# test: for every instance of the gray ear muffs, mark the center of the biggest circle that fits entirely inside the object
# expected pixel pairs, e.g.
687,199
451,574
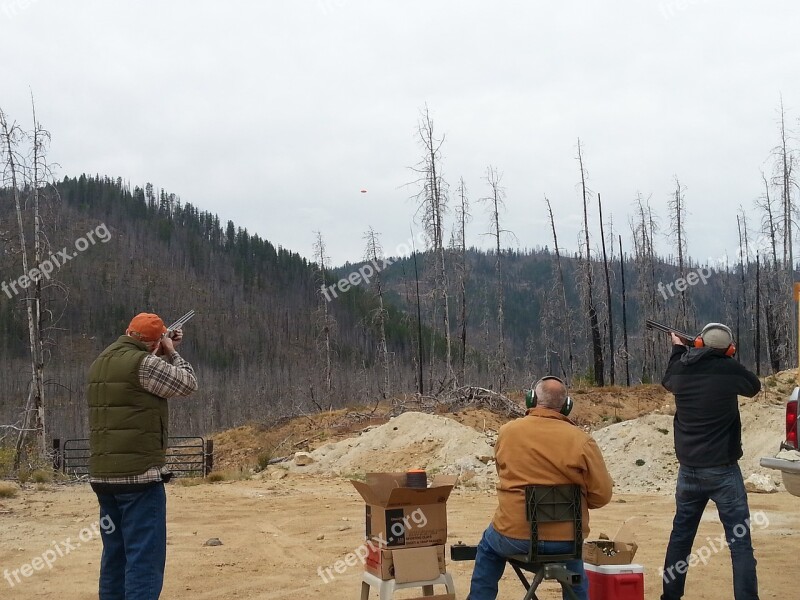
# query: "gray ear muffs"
531,400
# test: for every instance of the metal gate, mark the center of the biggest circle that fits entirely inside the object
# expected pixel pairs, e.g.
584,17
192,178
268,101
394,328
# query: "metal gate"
186,456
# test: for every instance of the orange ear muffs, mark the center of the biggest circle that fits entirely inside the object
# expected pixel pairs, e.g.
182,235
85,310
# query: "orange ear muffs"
698,341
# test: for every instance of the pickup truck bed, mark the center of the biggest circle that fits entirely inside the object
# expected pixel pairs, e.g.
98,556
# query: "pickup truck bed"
790,470
788,459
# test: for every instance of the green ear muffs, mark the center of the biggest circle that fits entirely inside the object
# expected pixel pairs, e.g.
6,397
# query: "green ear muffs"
531,401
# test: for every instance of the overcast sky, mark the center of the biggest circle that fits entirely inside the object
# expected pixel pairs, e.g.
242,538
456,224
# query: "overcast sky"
277,114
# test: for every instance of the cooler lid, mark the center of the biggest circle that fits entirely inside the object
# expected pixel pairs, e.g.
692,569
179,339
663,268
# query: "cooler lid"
614,569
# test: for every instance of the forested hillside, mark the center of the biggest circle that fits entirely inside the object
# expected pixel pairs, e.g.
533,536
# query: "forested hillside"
538,328
267,343
255,340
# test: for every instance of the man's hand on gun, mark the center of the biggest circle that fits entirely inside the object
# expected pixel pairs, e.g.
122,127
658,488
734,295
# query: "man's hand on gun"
173,337
168,342
678,341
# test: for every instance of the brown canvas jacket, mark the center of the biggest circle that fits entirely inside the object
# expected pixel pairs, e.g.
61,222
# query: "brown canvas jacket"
546,448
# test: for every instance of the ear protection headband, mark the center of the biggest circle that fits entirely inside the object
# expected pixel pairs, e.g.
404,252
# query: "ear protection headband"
531,401
698,341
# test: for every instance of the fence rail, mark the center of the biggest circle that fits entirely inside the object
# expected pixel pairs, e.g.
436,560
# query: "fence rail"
188,456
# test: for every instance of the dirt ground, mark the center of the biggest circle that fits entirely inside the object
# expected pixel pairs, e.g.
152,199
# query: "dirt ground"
277,533
281,528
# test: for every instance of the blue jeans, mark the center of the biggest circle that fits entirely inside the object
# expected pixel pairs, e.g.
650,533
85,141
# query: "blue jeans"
696,486
490,563
135,549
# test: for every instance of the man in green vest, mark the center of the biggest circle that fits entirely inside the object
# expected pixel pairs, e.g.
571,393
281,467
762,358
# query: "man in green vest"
129,385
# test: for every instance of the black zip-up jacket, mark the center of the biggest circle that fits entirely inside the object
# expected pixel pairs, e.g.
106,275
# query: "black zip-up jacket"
706,383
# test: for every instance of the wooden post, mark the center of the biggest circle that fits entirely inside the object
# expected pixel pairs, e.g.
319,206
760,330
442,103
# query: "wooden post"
56,454
209,457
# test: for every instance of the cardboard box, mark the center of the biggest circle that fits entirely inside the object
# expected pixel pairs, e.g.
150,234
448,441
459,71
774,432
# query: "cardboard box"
406,564
618,550
401,517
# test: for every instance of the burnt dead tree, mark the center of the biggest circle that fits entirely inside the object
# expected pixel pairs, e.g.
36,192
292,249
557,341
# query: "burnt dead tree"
624,315
678,217
462,217
610,314
562,294
432,200
24,180
325,324
372,254
495,204
591,312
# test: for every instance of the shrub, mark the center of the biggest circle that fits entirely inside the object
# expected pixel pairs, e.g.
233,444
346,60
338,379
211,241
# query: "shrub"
263,461
189,481
42,476
8,490
6,462
231,475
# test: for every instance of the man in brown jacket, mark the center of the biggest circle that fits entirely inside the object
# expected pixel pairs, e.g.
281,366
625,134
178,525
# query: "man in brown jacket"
542,448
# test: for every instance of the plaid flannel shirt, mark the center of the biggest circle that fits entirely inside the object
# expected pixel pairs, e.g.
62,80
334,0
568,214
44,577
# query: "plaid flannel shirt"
165,379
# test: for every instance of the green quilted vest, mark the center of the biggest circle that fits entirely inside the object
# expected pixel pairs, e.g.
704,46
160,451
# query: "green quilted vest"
128,425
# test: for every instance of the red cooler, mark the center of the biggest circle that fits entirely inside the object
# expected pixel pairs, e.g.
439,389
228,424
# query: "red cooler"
615,582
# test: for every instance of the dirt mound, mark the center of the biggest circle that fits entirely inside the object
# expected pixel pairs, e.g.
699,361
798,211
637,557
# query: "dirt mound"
633,427
246,446
412,440
640,453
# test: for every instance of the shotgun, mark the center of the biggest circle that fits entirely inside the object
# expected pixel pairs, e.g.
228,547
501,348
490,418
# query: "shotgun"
650,324
179,323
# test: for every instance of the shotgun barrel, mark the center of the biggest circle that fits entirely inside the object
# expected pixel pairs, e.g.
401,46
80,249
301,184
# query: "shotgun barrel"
180,323
650,324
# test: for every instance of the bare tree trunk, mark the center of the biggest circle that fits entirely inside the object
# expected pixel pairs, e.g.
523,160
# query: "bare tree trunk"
495,201
463,217
608,295
416,353
644,230
773,307
13,165
787,158
766,204
624,315
758,315
597,343
326,322
373,253
433,204
39,171
743,304
563,294
678,218
419,326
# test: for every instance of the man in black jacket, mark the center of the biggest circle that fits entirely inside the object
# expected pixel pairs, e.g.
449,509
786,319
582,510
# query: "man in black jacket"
706,381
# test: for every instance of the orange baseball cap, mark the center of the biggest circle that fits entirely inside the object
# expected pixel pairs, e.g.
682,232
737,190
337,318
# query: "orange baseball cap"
149,327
